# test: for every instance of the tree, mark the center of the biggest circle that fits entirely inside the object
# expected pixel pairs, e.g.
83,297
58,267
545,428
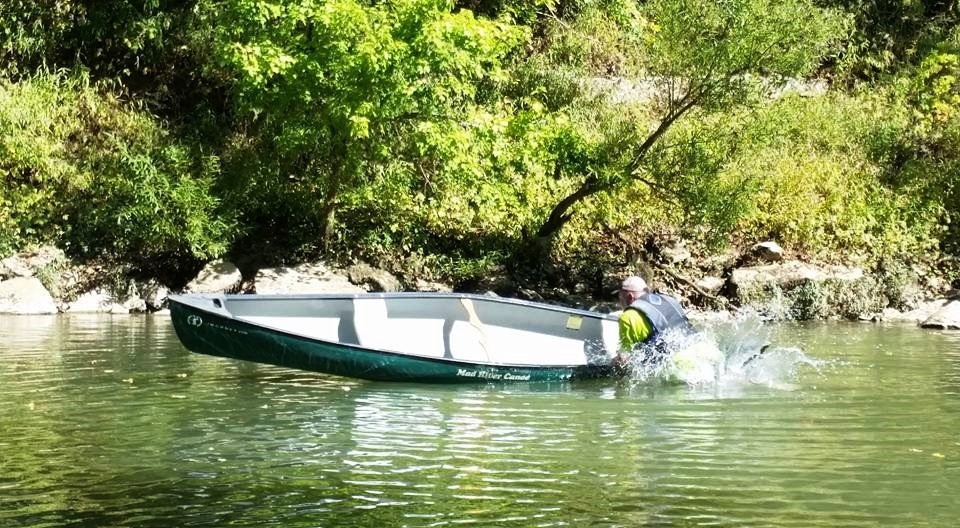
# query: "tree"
337,86
887,35
703,55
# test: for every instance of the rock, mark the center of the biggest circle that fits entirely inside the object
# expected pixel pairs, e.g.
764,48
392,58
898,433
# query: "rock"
27,263
305,278
915,316
796,290
25,295
496,281
218,276
789,273
135,305
529,295
155,295
426,286
11,267
710,317
907,296
711,285
675,253
946,318
94,301
889,314
766,252
376,280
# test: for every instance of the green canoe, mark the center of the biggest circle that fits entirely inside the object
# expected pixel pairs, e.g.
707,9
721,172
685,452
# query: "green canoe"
413,337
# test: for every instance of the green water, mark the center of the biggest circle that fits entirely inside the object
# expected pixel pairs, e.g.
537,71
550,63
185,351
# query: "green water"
109,422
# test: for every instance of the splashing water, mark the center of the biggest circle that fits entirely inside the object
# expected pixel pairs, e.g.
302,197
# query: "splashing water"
723,355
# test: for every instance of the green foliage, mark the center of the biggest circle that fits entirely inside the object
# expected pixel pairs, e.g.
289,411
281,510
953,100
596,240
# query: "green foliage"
719,53
846,299
708,56
110,38
889,35
50,276
808,301
152,203
337,88
935,89
445,140
597,39
895,281
691,171
921,139
29,31
821,188
36,162
105,181
472,188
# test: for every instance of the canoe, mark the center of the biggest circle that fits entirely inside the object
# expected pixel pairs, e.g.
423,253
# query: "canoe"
410,337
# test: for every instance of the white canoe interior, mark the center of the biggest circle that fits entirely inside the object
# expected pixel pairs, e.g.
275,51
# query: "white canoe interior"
467,328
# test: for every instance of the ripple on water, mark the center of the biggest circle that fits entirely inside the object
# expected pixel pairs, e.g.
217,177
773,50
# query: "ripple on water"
109,422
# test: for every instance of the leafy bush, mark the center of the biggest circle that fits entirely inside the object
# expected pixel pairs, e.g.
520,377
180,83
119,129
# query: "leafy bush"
102,179
822,189
37,164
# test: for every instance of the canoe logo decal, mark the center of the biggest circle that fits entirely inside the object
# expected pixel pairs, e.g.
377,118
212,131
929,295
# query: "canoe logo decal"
194,320
485,374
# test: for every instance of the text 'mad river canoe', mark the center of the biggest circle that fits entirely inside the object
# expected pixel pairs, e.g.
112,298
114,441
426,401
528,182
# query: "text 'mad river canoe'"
415,337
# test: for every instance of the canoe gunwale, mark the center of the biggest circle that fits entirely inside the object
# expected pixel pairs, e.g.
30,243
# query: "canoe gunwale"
186,298
379,351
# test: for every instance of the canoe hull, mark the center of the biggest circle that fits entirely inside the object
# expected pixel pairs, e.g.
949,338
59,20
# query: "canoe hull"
213,334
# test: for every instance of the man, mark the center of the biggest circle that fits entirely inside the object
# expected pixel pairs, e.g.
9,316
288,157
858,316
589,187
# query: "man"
646,316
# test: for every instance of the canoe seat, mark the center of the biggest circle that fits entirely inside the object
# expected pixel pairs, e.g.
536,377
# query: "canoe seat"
419,336
456,330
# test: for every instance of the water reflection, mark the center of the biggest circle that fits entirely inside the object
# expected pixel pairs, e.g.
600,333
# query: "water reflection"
109,422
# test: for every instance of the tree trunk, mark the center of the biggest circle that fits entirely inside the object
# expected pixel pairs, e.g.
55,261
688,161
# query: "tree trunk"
328,218
328,207
561,214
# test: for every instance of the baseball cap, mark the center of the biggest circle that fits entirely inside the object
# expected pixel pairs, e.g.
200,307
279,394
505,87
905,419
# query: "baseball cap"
634,284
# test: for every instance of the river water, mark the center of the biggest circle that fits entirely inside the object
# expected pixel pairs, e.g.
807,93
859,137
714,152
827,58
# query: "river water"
109,422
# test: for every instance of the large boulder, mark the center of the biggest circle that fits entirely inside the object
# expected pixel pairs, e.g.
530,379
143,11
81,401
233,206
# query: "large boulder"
946,318
675,253
796,290
917,315
93,301
428,286
374,279
154,295
305,278
789,273
28,263
61,277
14,266
25,295
219,276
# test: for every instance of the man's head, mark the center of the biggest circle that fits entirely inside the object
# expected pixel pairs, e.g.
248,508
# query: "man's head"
631,288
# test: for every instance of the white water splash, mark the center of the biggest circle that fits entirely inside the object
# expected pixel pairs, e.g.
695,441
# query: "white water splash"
725,355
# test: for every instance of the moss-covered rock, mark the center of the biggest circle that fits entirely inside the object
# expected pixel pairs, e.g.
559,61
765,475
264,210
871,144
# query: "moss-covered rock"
800,291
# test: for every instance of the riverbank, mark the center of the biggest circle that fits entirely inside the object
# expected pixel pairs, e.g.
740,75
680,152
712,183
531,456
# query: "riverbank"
762,283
